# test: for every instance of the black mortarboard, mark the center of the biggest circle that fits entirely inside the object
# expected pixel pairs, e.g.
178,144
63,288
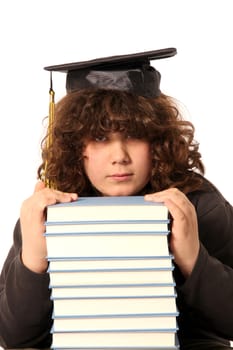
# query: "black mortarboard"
131,72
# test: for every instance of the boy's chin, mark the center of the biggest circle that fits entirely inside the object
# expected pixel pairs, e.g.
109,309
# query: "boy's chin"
120,193
122,190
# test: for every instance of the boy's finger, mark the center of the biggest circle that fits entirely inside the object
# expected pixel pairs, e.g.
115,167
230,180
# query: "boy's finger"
40,185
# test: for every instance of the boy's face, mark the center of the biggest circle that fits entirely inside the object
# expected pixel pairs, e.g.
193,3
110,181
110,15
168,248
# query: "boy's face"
117,166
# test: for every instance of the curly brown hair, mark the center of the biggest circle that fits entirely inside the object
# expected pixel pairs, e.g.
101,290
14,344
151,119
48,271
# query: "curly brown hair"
88,114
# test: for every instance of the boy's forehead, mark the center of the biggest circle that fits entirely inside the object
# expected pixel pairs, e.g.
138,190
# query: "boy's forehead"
131,72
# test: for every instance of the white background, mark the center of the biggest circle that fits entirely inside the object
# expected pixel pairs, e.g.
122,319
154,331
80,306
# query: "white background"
39,33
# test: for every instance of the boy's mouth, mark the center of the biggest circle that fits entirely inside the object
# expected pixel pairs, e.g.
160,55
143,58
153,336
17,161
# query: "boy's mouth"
121,176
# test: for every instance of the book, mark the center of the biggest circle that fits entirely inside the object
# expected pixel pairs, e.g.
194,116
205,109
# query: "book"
175,347
122,244
92,323
113,291
122,208
111,277
111,263
56,227
114,306
119,339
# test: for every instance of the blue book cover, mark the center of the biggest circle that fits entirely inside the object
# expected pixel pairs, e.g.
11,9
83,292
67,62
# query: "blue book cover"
107,208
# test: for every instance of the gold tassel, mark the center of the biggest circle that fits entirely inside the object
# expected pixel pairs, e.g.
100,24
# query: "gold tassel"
50,126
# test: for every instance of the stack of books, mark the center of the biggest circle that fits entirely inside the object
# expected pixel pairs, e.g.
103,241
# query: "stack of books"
111,274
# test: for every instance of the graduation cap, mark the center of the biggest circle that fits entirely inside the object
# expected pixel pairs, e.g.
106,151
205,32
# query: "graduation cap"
131,72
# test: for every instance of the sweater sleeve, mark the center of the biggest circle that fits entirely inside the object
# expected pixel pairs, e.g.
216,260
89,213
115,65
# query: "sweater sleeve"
25,305
208,293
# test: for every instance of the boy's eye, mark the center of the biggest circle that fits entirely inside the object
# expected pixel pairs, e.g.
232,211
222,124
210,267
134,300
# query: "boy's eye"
100,138
131,137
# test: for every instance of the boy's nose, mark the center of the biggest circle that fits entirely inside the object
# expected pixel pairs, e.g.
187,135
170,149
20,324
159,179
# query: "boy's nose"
120,153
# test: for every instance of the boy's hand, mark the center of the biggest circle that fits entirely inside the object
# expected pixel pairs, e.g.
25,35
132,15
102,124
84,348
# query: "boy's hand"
32,218
184,242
